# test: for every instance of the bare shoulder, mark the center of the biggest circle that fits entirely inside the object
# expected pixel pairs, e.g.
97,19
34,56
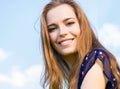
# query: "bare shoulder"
95,78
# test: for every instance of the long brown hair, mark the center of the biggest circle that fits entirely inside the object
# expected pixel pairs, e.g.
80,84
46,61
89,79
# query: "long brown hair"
56,70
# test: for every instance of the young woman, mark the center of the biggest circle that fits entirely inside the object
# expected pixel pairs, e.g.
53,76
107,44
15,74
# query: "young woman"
73,56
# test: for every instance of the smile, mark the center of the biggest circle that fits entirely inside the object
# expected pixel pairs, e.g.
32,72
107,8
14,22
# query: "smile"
66,42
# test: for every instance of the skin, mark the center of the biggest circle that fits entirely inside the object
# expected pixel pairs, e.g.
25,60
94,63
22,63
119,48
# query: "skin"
64,30
95,78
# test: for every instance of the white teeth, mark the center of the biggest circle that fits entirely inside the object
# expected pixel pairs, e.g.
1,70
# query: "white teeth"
65,43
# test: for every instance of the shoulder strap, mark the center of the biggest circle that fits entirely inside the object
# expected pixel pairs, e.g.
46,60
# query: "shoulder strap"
89,61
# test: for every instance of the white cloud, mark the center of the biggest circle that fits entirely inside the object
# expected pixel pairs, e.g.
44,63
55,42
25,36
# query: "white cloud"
4,54
4,78
33,73
109,36
19,78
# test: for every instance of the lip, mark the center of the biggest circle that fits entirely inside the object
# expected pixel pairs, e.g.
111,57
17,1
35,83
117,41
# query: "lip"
63,40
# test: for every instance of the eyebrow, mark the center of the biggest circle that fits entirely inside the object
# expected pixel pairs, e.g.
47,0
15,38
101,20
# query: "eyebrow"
66,19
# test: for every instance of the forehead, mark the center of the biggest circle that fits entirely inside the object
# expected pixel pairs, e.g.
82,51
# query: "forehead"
60,13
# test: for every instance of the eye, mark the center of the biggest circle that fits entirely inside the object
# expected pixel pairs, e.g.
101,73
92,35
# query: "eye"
52,28
70,23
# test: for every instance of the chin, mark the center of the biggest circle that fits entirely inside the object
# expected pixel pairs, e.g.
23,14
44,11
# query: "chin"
67,52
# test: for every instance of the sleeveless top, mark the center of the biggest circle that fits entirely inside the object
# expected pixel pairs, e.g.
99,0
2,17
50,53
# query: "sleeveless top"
89,61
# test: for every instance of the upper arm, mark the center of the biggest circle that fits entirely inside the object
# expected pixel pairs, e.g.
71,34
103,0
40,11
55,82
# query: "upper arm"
95,78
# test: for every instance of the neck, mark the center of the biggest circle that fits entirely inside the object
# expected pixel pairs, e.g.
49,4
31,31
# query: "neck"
70,59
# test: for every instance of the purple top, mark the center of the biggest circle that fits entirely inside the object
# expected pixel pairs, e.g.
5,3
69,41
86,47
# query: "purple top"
89,61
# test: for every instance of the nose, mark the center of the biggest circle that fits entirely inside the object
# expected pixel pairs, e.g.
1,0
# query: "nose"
63,31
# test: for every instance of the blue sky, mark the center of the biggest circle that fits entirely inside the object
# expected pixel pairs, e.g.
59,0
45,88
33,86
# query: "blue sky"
20,52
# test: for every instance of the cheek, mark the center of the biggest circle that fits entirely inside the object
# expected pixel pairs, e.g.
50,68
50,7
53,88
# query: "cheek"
77,30
52,37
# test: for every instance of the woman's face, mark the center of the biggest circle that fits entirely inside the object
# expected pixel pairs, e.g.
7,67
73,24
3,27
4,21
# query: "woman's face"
63,29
